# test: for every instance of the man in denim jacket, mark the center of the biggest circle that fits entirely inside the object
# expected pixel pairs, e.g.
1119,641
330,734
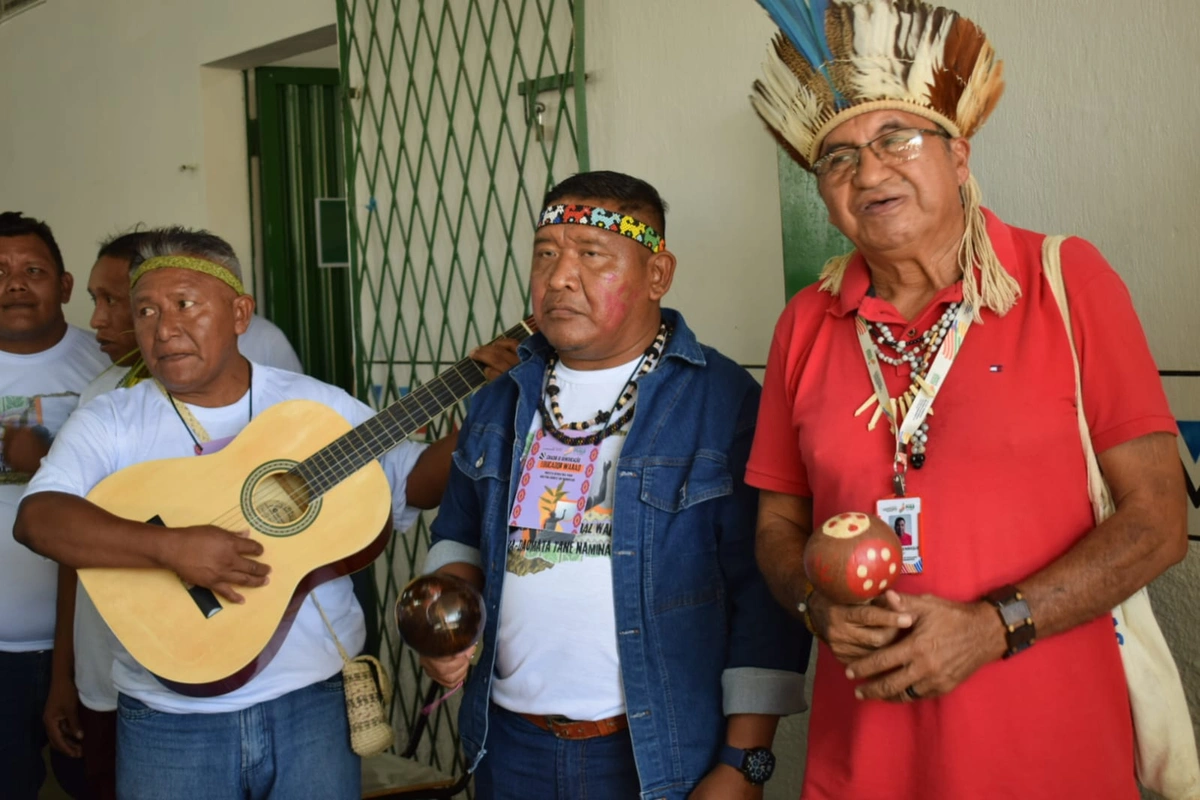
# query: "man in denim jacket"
632,648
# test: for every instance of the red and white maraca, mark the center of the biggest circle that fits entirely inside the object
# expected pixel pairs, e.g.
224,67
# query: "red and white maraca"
853,558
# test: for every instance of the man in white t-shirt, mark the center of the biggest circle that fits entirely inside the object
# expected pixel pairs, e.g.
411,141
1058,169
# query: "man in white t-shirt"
284,733
80,714
597,499
44,365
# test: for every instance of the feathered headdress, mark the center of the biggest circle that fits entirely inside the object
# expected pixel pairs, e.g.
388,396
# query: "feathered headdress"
836,59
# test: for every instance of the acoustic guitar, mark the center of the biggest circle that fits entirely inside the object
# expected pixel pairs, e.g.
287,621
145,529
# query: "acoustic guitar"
319,505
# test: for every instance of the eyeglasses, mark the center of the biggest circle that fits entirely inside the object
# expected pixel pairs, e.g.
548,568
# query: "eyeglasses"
892,147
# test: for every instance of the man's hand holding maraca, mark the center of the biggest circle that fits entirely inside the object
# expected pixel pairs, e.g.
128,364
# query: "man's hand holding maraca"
449,671
850,560
854,631
441,616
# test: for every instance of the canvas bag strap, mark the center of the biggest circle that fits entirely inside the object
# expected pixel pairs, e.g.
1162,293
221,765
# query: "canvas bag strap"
385,685
1098,491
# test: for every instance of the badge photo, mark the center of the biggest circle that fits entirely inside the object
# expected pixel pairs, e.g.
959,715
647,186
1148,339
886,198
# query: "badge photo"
903,514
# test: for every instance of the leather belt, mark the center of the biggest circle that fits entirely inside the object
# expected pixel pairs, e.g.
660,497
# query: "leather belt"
565,728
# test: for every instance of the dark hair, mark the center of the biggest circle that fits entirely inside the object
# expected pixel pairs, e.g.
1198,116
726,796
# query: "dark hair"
123,246
14,223
633,196
176,240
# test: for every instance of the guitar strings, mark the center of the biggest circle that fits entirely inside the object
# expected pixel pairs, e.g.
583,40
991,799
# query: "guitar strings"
325,460
329,461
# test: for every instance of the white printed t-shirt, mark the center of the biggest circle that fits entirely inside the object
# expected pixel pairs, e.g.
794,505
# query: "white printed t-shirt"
39,389
133,425
557,641
94,642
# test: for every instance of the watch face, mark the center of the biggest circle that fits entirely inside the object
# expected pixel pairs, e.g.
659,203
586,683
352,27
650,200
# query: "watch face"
758,765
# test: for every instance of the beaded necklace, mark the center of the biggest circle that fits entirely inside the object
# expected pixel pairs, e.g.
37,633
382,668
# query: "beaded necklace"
552,418
918,353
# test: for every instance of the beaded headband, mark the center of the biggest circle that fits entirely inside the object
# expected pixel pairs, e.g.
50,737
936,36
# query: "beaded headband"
217,271
596,217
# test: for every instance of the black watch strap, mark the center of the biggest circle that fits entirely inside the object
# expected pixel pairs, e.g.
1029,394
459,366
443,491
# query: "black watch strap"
757,764
1019,630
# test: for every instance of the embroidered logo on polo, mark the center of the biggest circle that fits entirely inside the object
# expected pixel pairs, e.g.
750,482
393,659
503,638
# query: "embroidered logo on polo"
596,217
563,508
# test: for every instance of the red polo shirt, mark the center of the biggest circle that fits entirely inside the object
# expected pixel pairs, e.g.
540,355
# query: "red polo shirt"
1004,493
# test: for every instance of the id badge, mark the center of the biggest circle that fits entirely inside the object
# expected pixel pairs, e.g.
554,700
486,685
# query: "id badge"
555,479
903,514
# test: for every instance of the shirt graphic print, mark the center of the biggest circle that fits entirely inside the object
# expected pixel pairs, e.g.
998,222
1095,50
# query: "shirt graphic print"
45,413
569,491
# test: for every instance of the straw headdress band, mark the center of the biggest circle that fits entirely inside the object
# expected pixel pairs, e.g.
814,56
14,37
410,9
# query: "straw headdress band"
218,271
834,60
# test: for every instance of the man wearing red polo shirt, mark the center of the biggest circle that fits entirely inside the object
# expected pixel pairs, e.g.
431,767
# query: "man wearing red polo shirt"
939,690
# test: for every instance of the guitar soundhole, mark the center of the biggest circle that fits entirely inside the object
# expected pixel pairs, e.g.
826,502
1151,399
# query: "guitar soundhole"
280,499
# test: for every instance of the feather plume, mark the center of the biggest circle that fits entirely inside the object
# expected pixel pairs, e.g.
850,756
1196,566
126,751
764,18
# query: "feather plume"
784,103
982,91
928,41
963,43
839,32
803,71
802,22
878,74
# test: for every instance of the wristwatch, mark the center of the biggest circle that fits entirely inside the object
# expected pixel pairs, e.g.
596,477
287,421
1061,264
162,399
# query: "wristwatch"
757,764
1019,631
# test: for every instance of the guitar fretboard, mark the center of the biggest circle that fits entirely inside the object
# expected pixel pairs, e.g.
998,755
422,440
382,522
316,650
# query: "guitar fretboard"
349,453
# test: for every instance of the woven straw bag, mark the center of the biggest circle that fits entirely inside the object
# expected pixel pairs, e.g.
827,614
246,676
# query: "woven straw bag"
368,691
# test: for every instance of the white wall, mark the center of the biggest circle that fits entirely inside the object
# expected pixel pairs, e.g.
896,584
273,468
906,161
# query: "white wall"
667,103
102,103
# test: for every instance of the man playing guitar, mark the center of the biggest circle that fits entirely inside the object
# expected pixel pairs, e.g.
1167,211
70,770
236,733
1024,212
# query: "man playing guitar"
284,732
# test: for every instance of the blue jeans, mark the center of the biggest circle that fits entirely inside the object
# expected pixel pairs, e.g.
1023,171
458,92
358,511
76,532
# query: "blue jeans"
296,746
525,762
24,684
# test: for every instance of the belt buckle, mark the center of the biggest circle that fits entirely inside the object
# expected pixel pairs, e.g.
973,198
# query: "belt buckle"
557,721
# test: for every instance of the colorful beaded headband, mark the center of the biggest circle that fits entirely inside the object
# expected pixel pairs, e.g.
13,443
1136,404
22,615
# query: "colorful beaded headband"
597,217
217,271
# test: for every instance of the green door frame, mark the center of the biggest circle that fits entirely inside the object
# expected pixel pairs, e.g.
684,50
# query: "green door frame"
328,357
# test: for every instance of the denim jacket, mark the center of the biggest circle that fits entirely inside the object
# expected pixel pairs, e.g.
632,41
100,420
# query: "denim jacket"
698,633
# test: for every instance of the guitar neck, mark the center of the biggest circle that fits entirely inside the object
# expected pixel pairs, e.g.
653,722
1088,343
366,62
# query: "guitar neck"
349,453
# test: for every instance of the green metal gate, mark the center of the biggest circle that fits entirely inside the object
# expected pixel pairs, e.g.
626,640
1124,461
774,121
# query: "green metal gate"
459,115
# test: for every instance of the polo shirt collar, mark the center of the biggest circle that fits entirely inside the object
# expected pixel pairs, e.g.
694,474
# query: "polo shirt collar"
857,297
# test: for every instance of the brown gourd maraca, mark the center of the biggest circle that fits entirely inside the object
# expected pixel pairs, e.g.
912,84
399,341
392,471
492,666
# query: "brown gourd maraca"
440,615
853,558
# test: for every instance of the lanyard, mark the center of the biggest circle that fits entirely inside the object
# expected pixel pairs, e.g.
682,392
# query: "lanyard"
927,387
194,428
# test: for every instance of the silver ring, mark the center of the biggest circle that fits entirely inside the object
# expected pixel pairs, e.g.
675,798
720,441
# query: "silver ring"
912,693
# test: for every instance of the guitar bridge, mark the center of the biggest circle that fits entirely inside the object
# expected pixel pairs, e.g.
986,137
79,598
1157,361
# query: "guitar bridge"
204,599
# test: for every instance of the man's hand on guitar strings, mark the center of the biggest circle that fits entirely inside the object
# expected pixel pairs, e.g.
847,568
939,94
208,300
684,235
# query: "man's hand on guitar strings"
216,559
496,357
